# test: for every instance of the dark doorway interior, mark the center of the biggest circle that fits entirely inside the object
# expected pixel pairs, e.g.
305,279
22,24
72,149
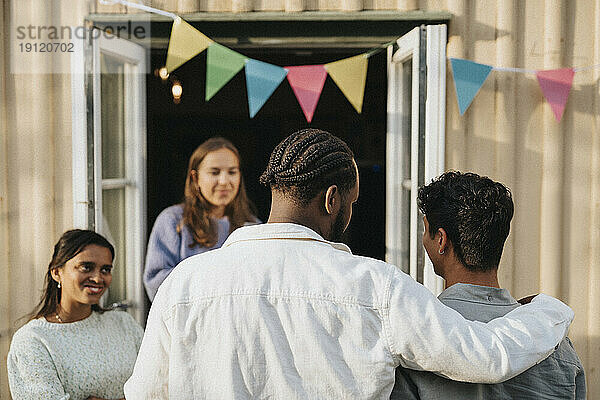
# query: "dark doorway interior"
175,130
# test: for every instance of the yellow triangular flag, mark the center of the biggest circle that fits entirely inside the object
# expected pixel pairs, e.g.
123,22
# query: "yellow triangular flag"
185,43
350,74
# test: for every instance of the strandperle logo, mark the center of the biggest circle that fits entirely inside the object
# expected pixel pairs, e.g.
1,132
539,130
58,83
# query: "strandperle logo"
126,30
44,48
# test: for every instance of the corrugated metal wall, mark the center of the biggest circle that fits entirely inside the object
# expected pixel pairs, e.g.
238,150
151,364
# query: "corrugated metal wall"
5,321
553,169
186,6
509,133
35,169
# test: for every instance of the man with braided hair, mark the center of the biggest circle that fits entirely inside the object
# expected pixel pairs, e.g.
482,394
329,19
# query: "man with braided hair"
283,311
300,168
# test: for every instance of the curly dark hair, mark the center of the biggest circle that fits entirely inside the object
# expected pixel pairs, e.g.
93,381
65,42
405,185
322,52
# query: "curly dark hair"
474,211
308,162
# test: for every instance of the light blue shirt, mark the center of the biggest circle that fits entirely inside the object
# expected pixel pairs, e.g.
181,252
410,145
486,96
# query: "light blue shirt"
279,312
560,376
167,247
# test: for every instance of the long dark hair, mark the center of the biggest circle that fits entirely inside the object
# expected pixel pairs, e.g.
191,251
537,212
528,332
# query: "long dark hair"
196,208
68,246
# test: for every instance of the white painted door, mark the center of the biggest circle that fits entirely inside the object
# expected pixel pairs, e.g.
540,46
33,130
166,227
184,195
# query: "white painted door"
113,149
415,144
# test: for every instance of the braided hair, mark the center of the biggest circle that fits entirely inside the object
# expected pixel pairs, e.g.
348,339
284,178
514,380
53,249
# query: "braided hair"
308,162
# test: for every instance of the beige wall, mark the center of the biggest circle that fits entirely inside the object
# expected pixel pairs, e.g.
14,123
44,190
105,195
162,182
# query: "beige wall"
5,331
508,133
35,170
186,6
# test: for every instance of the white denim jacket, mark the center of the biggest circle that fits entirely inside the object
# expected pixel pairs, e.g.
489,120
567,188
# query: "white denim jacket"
280,313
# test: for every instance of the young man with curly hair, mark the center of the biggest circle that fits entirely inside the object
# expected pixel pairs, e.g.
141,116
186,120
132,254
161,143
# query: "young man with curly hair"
467,220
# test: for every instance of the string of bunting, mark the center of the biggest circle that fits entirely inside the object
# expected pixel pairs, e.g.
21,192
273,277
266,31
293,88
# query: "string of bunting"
555,84
349,74
262,78
223,63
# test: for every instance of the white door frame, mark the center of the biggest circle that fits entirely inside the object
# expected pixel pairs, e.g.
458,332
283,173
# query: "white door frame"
87,151
426,47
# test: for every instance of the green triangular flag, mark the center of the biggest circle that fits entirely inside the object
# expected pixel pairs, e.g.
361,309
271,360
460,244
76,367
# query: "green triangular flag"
222,64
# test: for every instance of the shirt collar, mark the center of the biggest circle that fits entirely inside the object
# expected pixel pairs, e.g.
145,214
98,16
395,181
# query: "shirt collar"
270,231
486,294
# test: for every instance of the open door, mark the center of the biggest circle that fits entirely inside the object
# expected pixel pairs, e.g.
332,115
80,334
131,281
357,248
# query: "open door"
415,144
113,147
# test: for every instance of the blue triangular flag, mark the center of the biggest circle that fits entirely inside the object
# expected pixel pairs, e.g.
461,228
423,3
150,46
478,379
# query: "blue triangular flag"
469,76
261,81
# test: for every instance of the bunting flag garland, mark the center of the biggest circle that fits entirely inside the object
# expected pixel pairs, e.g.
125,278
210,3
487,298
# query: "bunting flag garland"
261,81
222,64
350,74
468,79
185,43
556,85
307,83
262,78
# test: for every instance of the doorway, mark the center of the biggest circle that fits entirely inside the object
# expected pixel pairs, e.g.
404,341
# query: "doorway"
175,130
398,139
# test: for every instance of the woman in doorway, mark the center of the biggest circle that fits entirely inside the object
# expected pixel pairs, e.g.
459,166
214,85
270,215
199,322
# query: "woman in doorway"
71,348
215,204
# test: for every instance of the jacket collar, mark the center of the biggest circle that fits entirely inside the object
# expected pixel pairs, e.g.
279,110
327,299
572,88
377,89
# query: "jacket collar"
274,231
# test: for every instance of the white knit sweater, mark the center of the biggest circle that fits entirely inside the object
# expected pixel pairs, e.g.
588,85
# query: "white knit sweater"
91,357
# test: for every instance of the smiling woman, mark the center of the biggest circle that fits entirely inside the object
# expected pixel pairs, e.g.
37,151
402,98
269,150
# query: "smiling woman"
218,178
83,280
71,348
215,204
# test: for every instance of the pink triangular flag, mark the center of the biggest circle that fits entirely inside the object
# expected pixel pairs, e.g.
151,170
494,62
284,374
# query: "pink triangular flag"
307,83
556,85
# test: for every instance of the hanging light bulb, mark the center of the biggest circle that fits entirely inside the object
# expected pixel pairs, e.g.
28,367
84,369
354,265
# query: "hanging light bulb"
163,73
177,91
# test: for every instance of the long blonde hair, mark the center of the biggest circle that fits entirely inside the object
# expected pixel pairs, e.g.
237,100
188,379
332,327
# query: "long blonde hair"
196,208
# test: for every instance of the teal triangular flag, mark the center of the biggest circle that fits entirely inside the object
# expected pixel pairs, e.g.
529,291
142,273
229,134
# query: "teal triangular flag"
261,81
469,76
221,65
